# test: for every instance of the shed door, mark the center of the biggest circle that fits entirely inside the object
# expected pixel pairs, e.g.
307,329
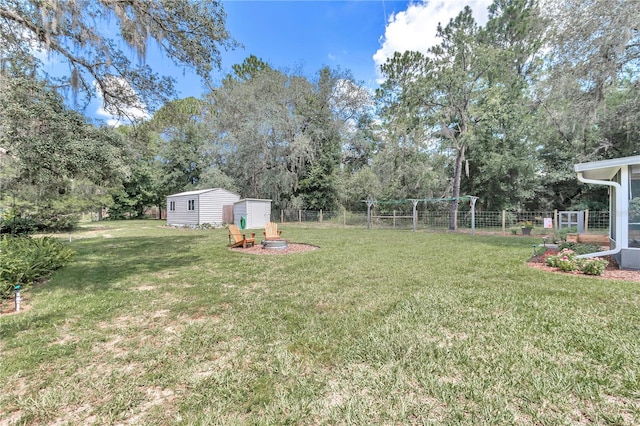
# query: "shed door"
227,213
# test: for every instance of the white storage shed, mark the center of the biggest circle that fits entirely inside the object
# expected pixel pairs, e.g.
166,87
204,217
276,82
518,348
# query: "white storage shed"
194,208
256,213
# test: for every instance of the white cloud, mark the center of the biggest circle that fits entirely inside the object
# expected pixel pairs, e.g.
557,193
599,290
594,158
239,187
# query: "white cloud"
415,28
137,111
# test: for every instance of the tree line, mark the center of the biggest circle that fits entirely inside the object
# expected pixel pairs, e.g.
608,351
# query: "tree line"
500,111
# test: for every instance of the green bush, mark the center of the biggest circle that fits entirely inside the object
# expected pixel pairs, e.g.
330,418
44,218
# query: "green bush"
18,226
580,248
593,266
59,222
567,261
26,260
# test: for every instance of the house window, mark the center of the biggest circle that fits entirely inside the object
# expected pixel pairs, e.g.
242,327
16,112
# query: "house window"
191,205
172,206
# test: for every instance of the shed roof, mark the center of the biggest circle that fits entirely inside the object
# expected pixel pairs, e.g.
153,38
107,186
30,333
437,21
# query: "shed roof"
201,191
253,199
604,169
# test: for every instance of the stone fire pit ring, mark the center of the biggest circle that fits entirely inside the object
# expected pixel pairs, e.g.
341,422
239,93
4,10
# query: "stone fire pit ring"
274,244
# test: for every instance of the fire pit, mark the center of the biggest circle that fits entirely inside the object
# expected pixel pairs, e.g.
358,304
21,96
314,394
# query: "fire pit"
274,244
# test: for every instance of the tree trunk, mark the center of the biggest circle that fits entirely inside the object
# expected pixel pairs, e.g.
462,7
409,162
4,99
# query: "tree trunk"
457,174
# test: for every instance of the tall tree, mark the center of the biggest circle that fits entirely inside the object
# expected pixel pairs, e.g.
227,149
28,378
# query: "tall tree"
182,145
50,144
77,33
593,45
439,92
503,158
259,133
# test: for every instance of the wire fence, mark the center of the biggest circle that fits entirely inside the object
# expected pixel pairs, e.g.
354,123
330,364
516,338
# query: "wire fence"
491,221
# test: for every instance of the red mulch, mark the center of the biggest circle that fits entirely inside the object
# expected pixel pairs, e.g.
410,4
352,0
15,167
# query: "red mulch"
291,248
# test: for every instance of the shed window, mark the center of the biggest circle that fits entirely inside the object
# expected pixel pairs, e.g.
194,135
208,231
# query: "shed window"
172,206
191,205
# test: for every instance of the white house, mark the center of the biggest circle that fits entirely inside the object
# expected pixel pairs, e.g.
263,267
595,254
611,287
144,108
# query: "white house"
252,213
194,208
622,176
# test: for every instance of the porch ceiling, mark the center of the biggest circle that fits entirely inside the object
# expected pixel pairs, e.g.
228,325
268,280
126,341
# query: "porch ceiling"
605,169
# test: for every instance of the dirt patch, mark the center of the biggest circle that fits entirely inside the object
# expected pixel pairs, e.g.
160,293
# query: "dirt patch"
291,248
612,271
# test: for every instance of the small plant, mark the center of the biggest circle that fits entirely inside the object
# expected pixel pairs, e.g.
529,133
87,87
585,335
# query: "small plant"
593,266
527,224
565,260
550,259
566,264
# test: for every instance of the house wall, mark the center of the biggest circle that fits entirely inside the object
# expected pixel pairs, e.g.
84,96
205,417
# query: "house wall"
629,258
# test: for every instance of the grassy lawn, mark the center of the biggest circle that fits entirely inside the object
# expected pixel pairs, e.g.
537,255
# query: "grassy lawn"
162,326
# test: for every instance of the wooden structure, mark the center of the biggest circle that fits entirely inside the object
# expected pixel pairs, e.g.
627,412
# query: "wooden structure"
271,231
237,239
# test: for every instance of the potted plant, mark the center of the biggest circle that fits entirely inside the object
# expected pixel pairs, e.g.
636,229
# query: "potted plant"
526,227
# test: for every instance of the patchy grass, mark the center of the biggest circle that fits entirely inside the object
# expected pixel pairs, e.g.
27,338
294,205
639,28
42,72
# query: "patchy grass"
159,326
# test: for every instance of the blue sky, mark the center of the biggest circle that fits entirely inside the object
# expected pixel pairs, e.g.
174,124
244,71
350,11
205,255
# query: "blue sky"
311,34
354,35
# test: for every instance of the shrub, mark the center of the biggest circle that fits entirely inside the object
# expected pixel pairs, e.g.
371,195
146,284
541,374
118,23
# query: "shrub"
593,266
551,259
565,260
580,248
26,260
59,222
566,264
19,226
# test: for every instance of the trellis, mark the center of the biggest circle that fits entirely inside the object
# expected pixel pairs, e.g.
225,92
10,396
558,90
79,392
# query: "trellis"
472,199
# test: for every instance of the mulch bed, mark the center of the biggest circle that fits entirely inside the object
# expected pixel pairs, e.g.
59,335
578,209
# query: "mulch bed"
291,248
611,272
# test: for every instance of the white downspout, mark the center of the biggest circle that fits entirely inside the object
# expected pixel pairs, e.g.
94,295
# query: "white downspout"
618,188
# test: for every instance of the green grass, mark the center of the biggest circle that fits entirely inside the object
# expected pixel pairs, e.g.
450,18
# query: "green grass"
152,325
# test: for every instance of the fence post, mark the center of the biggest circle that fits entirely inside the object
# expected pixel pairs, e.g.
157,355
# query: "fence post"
281,216
586,221
300,216
504,222
555,220
394,218
320,217
344,218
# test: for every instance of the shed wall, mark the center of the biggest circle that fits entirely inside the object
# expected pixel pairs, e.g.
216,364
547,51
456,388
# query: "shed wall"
259,213
211,205
181,215
256,212
208,207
